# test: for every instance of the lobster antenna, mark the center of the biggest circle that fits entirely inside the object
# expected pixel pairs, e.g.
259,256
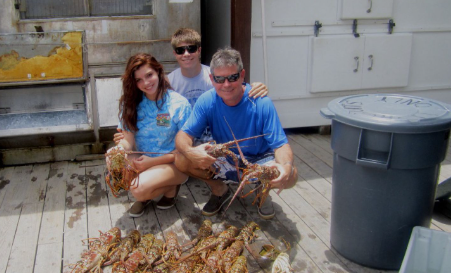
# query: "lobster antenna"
238,146
234,138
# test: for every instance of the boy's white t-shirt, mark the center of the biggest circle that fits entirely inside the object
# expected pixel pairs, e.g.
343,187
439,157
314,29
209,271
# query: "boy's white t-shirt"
191,88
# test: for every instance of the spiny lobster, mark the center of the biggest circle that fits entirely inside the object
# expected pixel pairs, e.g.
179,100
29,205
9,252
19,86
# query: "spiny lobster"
239,266
222,150
230,254
254,173
120,174
124,248
98,252
204,231
171,250
247,234
281,258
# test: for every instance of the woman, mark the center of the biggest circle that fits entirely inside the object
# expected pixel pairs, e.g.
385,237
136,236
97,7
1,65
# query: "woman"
151,115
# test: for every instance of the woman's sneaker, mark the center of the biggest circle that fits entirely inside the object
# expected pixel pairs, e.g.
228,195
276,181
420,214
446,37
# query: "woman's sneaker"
138,208
168,202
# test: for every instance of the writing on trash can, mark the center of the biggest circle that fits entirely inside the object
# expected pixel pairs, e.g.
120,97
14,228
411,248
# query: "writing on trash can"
416,103
378,107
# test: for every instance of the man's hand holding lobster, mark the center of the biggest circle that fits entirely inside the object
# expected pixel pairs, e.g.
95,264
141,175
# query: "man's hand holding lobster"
284,180
199,156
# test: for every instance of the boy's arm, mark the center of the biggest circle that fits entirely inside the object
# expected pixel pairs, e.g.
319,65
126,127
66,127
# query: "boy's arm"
258,90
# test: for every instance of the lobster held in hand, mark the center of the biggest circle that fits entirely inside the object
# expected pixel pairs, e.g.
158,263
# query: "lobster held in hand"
120,174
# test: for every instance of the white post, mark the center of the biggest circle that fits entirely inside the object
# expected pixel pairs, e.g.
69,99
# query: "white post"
265,59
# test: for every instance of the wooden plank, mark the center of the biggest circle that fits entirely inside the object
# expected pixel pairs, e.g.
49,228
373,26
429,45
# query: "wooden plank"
320,199
320,141
49,258
274,230
311,160
441,221
308,214
5,181
23,251
320,184
170,220
75,220
52,225
10,212
119,207
317,226
97,199
302,236
50,245
189,211
445,171
314,198
148,223
314,149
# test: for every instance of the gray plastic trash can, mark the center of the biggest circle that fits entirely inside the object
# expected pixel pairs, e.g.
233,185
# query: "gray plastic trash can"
387,154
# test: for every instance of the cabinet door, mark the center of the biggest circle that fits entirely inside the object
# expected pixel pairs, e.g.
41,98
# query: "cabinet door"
386,60
336,63
367,9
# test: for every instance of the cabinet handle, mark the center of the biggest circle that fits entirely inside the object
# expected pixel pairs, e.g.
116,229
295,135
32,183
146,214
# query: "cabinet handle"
356,58
371,6
371,62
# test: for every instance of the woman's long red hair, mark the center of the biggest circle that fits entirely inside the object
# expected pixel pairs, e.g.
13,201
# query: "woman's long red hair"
132,95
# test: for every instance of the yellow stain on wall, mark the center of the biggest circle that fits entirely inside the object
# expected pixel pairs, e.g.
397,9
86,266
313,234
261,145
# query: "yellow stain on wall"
62,63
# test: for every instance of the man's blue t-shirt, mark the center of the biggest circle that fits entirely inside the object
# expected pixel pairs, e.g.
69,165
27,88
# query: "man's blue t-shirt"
250,117
157,128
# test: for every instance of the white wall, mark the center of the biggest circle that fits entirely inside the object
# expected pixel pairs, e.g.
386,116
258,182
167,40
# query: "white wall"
290,32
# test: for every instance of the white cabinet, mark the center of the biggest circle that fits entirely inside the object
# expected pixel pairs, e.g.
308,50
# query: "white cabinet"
342,63
366,9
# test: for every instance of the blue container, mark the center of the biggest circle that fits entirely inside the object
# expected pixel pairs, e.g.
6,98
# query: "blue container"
387,154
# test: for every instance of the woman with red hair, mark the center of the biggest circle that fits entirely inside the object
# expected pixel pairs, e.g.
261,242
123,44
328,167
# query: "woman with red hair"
150,115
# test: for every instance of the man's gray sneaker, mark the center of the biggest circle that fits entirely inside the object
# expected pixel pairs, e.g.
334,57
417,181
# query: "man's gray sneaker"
266,211
215,203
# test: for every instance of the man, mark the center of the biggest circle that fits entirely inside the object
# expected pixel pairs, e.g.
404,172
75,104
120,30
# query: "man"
229,103
191,80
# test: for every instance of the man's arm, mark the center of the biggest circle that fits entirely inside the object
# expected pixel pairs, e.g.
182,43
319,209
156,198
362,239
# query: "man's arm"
284,162
197,155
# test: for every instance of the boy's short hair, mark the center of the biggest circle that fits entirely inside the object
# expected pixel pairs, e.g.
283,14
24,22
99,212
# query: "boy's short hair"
185,35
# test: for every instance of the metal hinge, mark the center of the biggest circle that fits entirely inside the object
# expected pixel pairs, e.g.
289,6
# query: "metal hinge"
79,105
5,110
20,5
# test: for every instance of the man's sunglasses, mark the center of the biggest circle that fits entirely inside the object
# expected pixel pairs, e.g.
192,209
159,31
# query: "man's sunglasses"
230,78
181,49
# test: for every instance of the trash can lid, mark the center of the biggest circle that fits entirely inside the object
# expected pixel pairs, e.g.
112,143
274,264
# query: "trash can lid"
390,113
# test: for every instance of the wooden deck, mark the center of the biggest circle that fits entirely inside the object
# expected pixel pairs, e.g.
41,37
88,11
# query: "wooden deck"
48,209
